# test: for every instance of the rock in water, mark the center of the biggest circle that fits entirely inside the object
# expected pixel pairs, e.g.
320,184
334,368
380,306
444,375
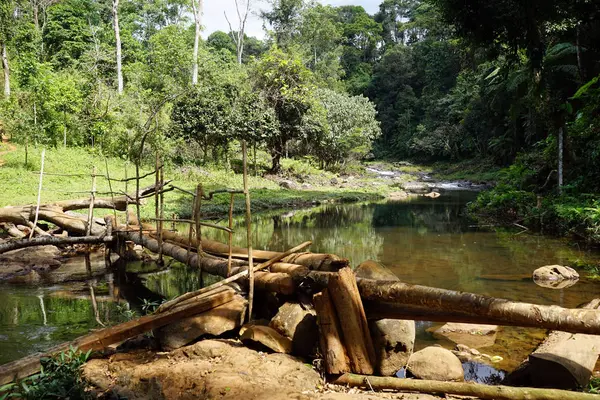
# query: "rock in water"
437,364
268,337
297,324
471,335
212,322
393,339
555,276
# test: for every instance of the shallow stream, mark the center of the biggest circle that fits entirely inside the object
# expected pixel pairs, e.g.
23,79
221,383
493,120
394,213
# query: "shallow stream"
423,241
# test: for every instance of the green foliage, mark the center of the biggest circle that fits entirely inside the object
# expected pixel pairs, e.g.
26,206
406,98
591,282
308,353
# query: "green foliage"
60,378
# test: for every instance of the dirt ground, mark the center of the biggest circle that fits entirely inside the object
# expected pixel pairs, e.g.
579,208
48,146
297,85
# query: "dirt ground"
218,369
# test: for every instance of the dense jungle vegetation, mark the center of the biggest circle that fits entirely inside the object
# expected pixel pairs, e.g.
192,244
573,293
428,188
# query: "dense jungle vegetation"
504,82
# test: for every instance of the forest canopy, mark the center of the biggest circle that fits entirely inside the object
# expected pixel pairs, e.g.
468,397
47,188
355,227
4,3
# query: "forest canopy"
419,79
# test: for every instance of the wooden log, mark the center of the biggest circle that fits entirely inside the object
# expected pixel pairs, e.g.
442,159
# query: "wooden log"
291,269
508,312
330,341
12,230
316,261
562,361
55,241
105,337
230,279
350,311
274,282
485,392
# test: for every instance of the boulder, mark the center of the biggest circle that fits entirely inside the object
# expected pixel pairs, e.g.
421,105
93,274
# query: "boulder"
437,364
213,322
393,339
287,184
299,325
555,276
471,335
268,337
416,187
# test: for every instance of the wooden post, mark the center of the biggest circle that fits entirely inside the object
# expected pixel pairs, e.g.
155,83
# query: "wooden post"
156,205
90,219
126,200
112,194
161,198
230,234
350,311
191,230
39,198
137,194
336,359
248,232
198,227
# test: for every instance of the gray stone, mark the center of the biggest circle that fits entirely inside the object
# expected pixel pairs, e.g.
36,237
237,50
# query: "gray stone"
268,337
471,335
287,184
437,364
555,276
416,187
213,322
297,324
393,339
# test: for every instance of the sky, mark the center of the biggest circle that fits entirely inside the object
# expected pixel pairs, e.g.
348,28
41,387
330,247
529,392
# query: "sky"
214,19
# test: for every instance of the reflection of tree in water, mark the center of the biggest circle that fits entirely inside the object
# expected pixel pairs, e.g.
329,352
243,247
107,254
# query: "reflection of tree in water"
482,373
442,215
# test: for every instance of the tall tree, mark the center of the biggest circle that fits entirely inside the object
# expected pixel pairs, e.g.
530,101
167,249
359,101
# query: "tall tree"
197,8
242,8
115,14
6,24
284,18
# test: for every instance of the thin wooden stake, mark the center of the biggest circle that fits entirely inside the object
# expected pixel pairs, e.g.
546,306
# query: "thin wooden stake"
90,219
39,198
137,195
230,234
248,233
126,200
198,227
191,231
112,194
156,180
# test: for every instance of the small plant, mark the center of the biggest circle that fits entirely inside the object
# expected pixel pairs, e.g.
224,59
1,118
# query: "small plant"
594,385
60,378
149,306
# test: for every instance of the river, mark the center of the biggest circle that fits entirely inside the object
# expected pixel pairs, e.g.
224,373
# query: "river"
423,241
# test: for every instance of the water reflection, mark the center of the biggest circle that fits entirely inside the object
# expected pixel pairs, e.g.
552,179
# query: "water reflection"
424,241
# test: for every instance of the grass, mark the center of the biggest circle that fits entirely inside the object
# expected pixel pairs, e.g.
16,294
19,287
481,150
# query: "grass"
19,183
471,170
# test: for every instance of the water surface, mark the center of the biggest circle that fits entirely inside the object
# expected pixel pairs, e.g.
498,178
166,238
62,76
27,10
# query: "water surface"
423,241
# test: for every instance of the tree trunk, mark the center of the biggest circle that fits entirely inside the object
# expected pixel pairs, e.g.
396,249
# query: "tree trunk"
355,329
332,349
469,389
115,12
197,7
560,157
65,130
490,308
562,361
315,261
6,70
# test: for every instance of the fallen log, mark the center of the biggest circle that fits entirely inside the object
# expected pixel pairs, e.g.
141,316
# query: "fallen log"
330,341
105,337
485,392
290,269
230,279
562,361
396,300
349,309
55,213
315,261
55,241
505,312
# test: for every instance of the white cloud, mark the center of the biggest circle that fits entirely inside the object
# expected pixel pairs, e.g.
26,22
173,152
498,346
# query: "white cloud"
214,19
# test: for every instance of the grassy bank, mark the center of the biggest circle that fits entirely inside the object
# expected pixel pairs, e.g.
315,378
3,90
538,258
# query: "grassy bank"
19,182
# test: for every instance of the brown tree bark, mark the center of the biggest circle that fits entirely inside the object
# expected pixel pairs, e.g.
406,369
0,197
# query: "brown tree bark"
330,341
355,330
491,308
562,361
485,392
316,261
